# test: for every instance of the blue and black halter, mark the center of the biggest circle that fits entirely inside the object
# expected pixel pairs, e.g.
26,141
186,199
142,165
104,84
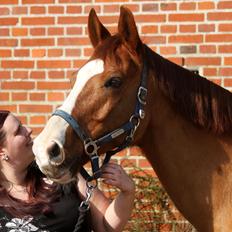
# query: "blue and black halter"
91,146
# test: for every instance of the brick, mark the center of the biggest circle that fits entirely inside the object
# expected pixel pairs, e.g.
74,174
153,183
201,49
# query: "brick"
72,20
19,10
186,39
75,1
37,42
74,9
203,61
73,41
168,29
168,6
37,75
13,85
5,74
4,96
227,82
224,5
186,17
188,49
17,64
206,5
62,85
187,28
187,6
20,74
5,53
150,7
38,10
225,27
228,60
10,2
210,72
218,38
147,18
219,16
8,21
167,50
73,52
38,53
8,42
4,11
37,31
12,107
155,39
208,49
55,52
38,21
206,27
55,31
4,32
55,96
37,120
19,96
225,48
21,52
19,31
35,108
225,72
37,96
56,10
54,64
56,74
38,1
74,31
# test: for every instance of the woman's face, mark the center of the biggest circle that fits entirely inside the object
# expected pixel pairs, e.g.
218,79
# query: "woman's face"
18,144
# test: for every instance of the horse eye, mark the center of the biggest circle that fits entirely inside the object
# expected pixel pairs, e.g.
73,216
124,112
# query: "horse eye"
114,82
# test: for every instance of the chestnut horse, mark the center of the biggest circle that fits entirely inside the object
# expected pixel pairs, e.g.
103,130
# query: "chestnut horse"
185,134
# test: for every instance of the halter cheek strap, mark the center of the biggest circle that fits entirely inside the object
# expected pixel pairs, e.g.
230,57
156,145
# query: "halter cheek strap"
129,128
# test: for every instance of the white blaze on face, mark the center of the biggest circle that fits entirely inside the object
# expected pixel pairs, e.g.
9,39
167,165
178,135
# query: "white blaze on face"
56,126
88,71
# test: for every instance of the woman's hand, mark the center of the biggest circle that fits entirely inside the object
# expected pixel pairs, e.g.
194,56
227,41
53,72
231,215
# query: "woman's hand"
113,174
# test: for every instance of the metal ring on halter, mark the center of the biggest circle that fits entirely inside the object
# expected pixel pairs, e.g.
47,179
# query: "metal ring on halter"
135,120
90,147
91,183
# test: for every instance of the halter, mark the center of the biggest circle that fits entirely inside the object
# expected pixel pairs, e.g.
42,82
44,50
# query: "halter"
91,146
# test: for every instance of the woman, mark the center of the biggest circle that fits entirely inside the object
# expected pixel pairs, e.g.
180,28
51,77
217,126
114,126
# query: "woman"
30,202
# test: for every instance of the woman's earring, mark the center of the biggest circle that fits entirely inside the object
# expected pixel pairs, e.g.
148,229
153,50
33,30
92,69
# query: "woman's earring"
5,157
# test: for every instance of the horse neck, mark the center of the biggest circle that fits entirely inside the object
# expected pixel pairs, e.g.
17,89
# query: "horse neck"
170,136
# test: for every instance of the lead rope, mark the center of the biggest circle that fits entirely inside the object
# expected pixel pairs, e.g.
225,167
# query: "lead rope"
84,206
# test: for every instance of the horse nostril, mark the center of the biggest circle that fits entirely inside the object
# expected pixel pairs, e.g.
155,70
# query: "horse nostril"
53,150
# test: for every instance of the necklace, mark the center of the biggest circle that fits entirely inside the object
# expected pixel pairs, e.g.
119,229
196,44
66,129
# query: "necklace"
19,189
11,187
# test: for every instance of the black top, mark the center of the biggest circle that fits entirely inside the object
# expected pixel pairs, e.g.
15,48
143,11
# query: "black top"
63,219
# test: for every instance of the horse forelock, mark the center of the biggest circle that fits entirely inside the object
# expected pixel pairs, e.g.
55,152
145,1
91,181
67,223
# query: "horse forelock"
203,102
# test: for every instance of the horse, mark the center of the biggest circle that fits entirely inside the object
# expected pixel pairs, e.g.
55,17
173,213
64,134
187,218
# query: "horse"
181,121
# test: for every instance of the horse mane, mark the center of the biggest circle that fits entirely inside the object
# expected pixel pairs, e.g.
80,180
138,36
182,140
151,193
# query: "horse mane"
204,103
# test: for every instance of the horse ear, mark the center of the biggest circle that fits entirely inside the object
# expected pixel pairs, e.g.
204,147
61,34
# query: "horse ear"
97,32
127,29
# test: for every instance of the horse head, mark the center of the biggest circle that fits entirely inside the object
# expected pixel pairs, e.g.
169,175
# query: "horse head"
103,99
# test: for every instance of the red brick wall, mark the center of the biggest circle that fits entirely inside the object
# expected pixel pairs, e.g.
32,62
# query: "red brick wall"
42,42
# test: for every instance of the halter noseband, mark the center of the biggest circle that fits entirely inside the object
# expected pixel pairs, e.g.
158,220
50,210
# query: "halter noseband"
91,146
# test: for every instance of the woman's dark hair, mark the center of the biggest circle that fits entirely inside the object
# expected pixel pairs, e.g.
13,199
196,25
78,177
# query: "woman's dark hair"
41,193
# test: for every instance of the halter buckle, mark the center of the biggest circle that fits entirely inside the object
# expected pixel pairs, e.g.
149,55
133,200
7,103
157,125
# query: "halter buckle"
142,94
90,147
